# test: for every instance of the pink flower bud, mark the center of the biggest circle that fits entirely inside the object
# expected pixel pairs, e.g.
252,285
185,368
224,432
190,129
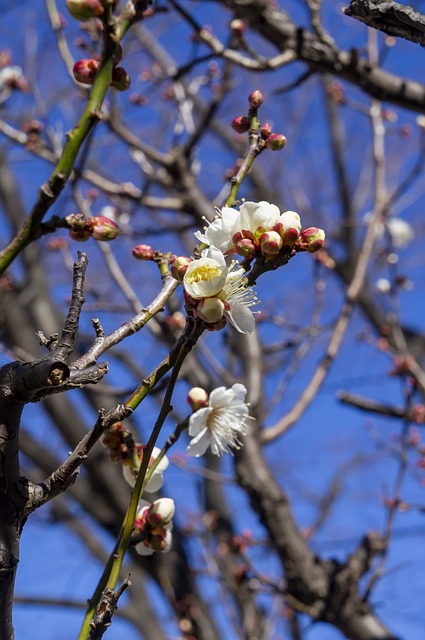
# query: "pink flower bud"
179,267
271,243
197,398
210,309
266,130
103,229
240,124
275,142
161,512
313,238
120,79
238,27
85,70
255,99
84,9
143,252
245,247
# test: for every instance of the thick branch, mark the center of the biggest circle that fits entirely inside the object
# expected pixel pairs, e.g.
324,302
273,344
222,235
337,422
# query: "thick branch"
392,18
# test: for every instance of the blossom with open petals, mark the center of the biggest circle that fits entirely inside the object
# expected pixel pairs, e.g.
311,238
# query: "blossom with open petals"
230,230
154,523
218,290
221,423
156,480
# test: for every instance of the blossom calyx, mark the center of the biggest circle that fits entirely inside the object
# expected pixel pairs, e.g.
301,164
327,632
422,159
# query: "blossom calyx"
143,252
240,124
255,99
84,9
103,229
313,239
197,398
85,70
275,141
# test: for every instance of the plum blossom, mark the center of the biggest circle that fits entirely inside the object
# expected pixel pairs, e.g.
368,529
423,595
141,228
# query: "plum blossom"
401,232
221,423
218,290
232,228
154,523
156,480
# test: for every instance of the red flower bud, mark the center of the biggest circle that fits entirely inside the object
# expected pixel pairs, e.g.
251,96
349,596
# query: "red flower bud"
240,124
266,130
313,238
84,9
143,252
275,142
255,99
103,229
85,70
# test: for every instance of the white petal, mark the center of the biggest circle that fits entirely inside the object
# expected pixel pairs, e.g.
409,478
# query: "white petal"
240,391
241,318
128,475
198,420
143,550
155,482
258,214
199,444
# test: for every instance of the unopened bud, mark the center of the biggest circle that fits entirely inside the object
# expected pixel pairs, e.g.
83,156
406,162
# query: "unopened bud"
85,70
103,229
210,309
120,79
240,124
179,267
245,247
313,238
266,130
238,27
161,512
197,398
271,243
275,142
84,9
143,252
255,99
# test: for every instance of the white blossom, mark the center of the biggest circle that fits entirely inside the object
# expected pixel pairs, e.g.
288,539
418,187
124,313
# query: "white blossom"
156,480
220,424
252,220
220,290
154,521
401,232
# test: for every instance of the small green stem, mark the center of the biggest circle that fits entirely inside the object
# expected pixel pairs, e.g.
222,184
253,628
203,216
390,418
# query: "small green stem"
112,569
50,191
256,146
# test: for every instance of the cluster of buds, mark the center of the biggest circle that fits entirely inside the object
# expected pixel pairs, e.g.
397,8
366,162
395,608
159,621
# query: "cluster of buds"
153,525
121,446
242,124
85,72
98,227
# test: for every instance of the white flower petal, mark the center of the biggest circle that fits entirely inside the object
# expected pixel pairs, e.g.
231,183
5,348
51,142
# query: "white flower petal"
199,444
143,550
258,214
198,420
241,318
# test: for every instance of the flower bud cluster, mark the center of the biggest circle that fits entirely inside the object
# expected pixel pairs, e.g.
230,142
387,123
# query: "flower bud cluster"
100,228
120,444
154,525
260,230
242,124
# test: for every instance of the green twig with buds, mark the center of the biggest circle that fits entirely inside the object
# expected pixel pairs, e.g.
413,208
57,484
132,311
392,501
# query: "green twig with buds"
50,191
174,361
